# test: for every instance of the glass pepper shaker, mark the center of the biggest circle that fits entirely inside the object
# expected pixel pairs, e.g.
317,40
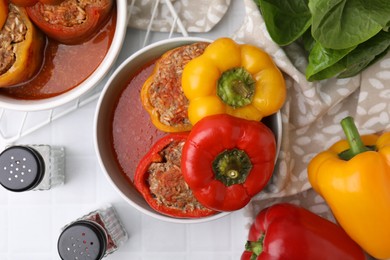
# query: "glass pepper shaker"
92,236
32,167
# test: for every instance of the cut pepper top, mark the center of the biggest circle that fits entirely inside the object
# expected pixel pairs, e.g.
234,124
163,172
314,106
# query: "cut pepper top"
236,79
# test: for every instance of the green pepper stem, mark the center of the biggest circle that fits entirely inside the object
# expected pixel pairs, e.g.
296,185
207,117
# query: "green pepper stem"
236,87
232,166
353,137
256,247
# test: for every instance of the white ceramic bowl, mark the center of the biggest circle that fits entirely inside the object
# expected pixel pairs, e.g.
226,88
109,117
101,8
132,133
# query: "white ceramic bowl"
91,82
103,122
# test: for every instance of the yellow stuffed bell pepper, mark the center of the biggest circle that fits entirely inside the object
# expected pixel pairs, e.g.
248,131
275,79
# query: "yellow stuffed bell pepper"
23,48
236,79
353,176
3,12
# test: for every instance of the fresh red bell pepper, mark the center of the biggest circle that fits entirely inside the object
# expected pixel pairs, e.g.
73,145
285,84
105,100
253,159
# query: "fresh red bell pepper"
227,160
159,179
66,23
285,231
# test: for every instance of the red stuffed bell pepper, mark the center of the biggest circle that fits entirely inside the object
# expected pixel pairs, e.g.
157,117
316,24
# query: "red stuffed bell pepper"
160,181
285,231
227,160
72,21
25,3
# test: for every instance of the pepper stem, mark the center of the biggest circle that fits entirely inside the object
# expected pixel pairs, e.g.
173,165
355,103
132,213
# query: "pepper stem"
354,140
236,87
232,174
256,247
232,167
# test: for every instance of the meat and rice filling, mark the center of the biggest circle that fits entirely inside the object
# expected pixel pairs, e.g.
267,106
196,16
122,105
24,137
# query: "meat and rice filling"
167,183
69,12
13,32
165,93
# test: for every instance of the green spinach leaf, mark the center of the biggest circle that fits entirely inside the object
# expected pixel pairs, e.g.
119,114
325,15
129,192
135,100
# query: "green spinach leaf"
308,41
324,63
342,24
379,11
342,37
352,63
286,20
366,54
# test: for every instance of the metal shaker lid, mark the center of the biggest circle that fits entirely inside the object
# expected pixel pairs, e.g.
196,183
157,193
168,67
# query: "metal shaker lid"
21,168
82,240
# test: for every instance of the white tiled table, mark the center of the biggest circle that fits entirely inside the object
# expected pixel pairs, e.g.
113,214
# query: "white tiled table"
30,222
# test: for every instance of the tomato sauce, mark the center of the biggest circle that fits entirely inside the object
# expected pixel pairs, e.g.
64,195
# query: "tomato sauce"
66,66
133,133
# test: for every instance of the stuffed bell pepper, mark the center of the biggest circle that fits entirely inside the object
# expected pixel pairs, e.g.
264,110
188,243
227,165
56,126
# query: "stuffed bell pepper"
70,21
285,231
353,176
227,160
160,181
162,95
236,79
3,12
25,3
21,48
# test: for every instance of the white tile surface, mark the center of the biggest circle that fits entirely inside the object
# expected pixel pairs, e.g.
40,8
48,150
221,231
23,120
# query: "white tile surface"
30,222
216,237
29,229
3,230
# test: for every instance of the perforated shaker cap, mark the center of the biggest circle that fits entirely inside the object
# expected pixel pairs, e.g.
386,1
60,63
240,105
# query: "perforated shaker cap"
82,240
21,168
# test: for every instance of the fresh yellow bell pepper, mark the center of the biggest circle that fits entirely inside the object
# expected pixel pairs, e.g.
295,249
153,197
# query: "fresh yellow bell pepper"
353,176
236,79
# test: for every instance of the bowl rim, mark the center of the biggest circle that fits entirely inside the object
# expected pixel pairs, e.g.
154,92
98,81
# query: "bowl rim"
88,84
153,213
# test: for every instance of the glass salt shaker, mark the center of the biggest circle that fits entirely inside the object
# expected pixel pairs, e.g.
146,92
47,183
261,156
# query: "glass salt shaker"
32,167
92,236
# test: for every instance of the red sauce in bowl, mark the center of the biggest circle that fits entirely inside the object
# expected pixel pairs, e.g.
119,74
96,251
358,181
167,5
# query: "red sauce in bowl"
133,133
66,66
